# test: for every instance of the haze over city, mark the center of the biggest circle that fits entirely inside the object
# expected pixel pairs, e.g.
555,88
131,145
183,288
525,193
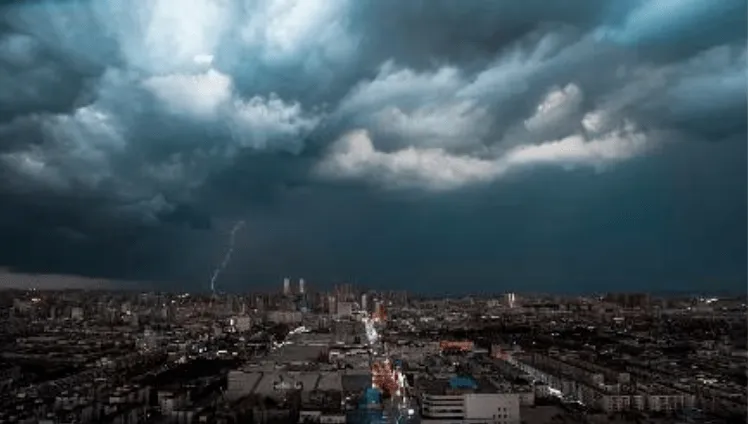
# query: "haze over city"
438,146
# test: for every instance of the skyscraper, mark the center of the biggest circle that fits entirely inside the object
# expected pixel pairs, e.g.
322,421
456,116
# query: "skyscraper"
510,300
302,288
364,303
332,303
286,287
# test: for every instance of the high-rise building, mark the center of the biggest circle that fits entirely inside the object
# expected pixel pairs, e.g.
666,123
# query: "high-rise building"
286,287
364,303
302,287
259,303
332,303
344,292
510,300
379,312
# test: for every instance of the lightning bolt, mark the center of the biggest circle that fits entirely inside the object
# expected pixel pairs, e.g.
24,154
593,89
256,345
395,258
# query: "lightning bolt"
227,257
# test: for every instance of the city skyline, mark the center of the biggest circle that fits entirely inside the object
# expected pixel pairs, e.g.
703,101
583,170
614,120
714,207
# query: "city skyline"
326,357
589,147
50,282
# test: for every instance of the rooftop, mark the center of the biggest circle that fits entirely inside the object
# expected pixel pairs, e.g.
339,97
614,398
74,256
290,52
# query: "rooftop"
454,385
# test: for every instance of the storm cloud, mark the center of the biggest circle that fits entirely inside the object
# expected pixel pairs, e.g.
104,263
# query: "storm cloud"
510,144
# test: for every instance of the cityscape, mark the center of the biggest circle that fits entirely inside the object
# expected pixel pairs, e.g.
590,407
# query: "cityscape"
373,212
350,355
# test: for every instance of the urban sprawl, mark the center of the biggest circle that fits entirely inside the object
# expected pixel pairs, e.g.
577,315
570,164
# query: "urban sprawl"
349,355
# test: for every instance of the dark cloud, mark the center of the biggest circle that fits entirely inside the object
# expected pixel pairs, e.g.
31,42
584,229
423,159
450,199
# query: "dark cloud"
479,145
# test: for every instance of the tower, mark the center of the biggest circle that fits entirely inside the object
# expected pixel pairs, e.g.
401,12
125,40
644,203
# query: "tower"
364,303
302,288
286,287
510,300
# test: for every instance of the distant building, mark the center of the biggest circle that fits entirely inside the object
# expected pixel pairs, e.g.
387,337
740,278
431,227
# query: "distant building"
76,313
510,300
345,292
241,324
332,305
286,287
380,314
284,317
344,309
302,287
364,303
629,300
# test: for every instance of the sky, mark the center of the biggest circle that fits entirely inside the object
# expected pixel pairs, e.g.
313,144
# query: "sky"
434,146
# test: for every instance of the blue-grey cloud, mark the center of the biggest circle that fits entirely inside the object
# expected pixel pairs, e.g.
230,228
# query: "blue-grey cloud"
147,128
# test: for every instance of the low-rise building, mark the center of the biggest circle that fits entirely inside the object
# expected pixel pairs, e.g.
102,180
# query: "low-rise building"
466,400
